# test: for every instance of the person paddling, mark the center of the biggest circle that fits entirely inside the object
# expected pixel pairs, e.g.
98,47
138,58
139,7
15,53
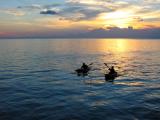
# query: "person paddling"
85,67
112,73
83,70
112,70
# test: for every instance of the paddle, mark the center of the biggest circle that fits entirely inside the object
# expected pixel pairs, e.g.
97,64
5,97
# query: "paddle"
90,64
107,65
110,68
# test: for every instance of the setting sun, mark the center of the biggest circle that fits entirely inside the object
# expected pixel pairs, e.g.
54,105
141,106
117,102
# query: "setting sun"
117,15
121,19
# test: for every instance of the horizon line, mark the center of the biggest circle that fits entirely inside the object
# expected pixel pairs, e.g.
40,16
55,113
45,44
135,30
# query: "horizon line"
79,38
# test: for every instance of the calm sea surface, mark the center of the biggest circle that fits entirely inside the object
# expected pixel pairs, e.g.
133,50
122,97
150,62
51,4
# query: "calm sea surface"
37,79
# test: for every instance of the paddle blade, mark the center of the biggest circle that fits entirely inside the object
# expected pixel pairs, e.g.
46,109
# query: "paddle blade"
91,64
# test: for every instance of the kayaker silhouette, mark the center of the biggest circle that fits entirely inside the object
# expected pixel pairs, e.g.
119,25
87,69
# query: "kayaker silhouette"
83,70
112,73
85,67
112,70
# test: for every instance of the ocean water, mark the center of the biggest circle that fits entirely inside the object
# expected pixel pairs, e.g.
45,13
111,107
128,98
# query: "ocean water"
37,79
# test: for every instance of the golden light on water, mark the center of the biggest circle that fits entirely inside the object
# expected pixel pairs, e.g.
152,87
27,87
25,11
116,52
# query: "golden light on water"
111,46
114,46
121,45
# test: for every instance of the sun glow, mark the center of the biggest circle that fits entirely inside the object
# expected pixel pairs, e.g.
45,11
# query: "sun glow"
121,19
117,15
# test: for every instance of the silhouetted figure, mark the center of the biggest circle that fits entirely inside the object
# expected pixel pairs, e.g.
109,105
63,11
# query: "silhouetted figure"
112,70
83,70
111,75
85,67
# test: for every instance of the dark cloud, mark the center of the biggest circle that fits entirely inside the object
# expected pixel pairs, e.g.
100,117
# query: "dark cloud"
31,7
79,12
48,12
115,32
111,32
75,11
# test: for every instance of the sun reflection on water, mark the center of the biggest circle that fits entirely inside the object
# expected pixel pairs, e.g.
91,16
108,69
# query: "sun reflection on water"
118,45
121,46
130,83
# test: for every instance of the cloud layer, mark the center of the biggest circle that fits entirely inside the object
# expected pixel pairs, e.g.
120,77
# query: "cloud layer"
80,16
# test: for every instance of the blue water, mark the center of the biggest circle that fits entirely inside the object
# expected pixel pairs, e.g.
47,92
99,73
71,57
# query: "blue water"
37,79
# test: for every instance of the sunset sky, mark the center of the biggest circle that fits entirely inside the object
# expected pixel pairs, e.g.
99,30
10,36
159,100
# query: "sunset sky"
55,18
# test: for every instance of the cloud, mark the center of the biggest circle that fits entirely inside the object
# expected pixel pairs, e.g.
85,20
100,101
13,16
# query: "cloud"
112,32
80,13
31,7
152,1
14,12
91,14
79,10
115,32
51,5
48,12
109,4
2,33
102,13
76,11
138,19
51,9
38,6
5,34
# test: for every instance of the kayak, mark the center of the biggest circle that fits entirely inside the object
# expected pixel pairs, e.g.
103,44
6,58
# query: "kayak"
82,71
111,76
